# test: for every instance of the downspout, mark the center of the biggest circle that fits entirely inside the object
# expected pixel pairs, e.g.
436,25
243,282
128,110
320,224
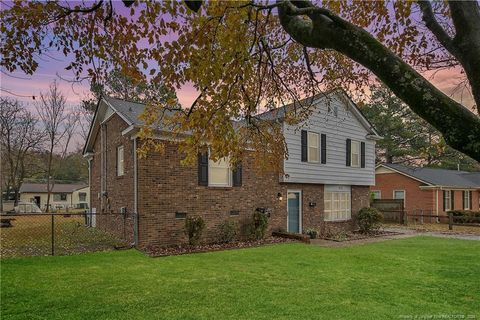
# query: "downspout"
135,191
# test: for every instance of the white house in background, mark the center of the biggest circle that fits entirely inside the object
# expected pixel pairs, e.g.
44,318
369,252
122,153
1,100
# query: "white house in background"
63,195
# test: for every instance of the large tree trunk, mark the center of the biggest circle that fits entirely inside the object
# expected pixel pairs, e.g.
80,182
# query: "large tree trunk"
459,126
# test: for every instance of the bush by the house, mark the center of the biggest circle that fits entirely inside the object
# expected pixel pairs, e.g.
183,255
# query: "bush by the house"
369,220
466,215
193,229
312,233
258,226
227,231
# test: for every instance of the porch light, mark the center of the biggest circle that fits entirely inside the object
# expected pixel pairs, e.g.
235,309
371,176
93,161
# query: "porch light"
279,196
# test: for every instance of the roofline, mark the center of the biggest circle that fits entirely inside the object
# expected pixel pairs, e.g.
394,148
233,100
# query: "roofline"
402,173
440,187
119,113
91,127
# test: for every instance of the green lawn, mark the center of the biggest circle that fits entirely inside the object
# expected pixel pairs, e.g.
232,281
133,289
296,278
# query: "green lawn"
422,276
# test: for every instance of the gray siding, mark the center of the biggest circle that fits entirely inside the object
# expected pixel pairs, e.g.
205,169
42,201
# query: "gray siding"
337,129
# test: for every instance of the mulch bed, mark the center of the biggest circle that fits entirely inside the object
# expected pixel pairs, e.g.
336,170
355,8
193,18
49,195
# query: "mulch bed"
360,236
186,249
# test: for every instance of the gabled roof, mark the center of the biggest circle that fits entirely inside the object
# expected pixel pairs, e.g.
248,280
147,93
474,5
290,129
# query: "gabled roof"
438,177
57,188
280,113
130,111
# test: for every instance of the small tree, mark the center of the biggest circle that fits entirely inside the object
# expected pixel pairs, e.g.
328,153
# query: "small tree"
193,229
259,225
369,220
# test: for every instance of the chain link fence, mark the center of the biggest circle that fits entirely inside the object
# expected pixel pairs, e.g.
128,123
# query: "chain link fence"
38,234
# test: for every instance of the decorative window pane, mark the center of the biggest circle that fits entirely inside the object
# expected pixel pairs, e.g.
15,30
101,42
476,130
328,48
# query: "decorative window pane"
219,173
337,206
377,194
313,147
120,162
355,154
447,200
466,200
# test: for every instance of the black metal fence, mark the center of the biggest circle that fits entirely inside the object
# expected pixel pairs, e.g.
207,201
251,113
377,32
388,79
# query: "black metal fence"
33,234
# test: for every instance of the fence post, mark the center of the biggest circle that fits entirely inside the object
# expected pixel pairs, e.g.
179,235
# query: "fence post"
450,221
53,234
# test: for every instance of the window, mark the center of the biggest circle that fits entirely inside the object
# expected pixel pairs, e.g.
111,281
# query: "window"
355,154
377,194
466,200
399,194
313,147
120,162
82,196
180,215
447,200
219,173
337,205
59,197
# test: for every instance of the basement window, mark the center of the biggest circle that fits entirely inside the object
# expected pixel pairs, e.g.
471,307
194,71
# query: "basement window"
180,215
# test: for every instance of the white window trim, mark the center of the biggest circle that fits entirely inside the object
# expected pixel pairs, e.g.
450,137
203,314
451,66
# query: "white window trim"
379,193
122,163
351,154
466,205
308,147
220,185
447,204
349,207
404,196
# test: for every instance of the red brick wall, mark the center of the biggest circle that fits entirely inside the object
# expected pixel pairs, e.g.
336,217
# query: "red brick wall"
415,198
166,187
458,198
119,188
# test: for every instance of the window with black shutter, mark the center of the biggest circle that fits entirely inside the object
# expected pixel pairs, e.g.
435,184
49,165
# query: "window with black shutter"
349,152
237,176
452,195
203,169
324,148
304,145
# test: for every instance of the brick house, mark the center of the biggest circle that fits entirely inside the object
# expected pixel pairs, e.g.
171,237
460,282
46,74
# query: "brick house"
325,182
428,190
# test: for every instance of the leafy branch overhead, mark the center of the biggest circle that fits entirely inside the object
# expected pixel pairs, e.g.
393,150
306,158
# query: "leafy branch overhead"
246,56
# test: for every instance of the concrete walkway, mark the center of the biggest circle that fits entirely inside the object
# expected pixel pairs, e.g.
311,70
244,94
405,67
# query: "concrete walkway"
402,233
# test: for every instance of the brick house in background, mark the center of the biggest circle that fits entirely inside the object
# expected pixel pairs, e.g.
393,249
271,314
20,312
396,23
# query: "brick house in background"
325,182
428,190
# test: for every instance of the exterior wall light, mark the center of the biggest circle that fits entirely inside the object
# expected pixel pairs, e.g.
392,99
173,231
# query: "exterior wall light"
279,196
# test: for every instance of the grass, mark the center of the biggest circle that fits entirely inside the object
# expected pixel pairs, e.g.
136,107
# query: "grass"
32,235
419,276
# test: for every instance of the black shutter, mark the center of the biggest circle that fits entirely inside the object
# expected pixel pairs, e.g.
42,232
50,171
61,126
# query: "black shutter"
470,197
324,148
463,199
349,152
362,154
203,169
444,200
452,195
304,146
237,176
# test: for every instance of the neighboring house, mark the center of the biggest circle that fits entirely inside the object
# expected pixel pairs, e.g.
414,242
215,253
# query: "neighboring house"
62,196
326,176
81,197
428,190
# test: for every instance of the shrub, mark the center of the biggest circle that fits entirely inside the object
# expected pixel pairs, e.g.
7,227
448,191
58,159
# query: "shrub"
193,229
228,231
466,214
312,233
258,226
369,219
